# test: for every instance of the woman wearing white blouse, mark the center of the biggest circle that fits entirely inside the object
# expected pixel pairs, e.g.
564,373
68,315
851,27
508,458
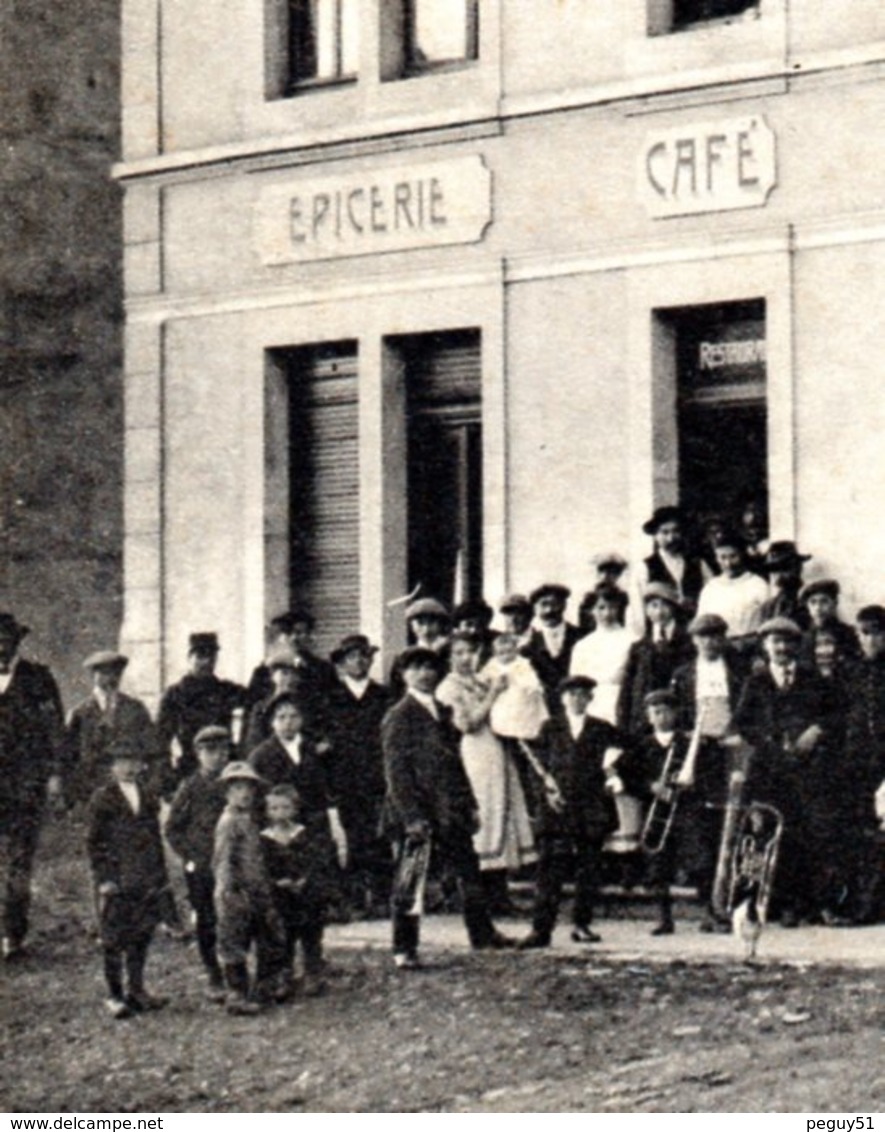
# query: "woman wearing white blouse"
603,654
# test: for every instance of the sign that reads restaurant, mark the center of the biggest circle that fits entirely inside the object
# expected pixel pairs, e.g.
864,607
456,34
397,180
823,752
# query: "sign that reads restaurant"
707,167
368,213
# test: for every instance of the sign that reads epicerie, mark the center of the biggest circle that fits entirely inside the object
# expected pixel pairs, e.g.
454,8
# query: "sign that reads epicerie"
708,167
368,213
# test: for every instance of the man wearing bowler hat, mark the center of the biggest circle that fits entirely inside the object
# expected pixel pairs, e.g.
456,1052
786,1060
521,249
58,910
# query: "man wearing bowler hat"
782,565
200,699
31,722
97,723
670,561
552,640
357,704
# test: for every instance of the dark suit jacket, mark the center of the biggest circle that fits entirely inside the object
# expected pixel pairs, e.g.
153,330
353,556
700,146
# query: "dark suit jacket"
552,669
684,684
310,778
125,847
90,734
31,723
426,780
191,704
356,762
576,764
650,665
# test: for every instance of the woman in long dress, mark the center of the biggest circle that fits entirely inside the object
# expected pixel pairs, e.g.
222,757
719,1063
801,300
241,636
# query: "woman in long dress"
504,840
603,654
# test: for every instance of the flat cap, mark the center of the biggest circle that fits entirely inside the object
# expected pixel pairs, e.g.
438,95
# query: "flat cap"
827,586
872,615
661,696
417,655
10,627
106,658
610,559
211,736
780,625
241,772
286,622
475,609
708,625
550,589
514,601
664,591
203,642
427,607
353,642
576,683
127,748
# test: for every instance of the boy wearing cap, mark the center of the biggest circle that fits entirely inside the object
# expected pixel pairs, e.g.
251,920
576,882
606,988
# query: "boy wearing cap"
821,601
285,676
129,872
357,704
200,699
244,897
190,831
692,840
552,640
788,714
652,661
31,722
429,802
576,751
103,719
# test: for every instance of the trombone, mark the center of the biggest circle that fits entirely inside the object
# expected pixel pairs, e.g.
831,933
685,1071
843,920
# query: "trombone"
678,775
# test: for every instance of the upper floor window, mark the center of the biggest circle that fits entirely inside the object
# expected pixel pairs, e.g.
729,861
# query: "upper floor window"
686,13
439,34
323,41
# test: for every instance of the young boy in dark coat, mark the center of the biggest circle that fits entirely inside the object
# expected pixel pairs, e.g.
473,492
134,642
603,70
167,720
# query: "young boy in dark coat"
190,831
296,867
692,841
244,897
126,857
573,823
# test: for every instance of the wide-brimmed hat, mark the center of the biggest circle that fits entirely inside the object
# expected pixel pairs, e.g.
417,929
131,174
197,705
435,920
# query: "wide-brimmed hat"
203,642
668,514
780,625
10,627
427,607
353,642
106,658
550,589
782,554
241,772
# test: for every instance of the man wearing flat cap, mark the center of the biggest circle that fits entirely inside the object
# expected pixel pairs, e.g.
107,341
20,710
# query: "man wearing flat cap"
31,721
427,625
200,699
96,724
789,715
553,639
653,660
293,632
356,707
820,599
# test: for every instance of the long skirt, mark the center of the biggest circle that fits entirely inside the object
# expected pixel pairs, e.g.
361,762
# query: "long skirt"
504,840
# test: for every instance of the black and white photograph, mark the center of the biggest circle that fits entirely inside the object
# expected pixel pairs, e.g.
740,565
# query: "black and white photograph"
442,621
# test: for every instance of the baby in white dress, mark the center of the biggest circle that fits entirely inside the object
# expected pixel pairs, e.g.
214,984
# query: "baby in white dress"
521,708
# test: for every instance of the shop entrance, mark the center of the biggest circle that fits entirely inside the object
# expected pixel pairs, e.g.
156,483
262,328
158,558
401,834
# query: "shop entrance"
444,462
722,423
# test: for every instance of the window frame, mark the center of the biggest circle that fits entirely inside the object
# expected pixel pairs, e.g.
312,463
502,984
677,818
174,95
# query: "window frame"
295,82
412,67
707,18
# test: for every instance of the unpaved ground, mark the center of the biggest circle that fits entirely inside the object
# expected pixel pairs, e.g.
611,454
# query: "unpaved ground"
473,1032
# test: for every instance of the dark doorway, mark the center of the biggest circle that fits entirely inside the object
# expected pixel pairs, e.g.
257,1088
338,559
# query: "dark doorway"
444,453
721,404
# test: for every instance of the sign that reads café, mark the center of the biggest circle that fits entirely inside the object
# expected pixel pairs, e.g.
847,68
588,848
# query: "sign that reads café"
708,167
382,210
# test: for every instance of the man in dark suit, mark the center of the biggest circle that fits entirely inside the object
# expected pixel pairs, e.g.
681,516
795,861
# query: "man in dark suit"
356,707
294,631
788,714
670,561
653,660
200,699
31,721
105,717
552,639
574,818
429,802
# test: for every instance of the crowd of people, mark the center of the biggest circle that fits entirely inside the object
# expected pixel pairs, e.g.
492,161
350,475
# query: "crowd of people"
537,745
